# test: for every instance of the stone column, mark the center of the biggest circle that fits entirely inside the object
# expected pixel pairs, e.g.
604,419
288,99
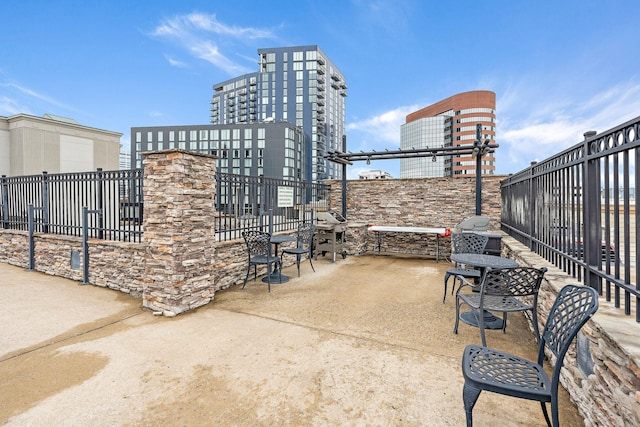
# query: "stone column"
179,193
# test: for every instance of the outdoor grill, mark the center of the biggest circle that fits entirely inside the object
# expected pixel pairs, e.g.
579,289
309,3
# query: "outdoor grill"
480,225
331,228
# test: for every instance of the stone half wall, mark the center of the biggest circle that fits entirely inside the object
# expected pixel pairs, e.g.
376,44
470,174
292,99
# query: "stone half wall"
425,202
608,393
114,265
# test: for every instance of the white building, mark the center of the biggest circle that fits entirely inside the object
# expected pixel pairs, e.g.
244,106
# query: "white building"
30,145
374,174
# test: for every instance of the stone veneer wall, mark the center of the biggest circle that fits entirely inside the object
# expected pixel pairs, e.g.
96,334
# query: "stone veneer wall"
179,194
14,244
116,265
173,268
426,202
610,396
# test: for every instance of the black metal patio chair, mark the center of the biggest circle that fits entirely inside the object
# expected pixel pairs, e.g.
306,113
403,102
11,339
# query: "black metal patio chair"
502,290
259,251
503,373
304,241
467,243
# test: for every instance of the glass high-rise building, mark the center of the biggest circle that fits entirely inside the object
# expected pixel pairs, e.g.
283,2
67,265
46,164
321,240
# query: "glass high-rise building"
299,85
447,123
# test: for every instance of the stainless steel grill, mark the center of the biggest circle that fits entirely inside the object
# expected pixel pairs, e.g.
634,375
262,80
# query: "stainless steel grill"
330,235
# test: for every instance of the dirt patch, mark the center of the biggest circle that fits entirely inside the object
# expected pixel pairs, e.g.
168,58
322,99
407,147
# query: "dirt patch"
33,378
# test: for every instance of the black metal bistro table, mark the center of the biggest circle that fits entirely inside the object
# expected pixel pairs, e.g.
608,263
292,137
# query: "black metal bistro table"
482,261
276,275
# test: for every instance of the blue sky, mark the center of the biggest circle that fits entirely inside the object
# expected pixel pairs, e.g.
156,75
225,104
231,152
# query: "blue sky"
558,68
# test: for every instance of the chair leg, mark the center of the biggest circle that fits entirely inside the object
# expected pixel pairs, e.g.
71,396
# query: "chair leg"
546,413
314,270
534,316
480,317
247,276
455,328
504,322
453,288
298,263
446,280
268,278
470,397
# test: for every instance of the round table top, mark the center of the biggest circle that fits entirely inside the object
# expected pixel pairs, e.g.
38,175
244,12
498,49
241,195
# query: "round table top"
483,260
281,238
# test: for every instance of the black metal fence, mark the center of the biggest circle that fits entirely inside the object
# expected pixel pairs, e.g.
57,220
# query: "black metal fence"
115,209
249,202
577,209
113,199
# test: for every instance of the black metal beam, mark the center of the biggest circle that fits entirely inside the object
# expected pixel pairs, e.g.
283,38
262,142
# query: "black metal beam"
460,150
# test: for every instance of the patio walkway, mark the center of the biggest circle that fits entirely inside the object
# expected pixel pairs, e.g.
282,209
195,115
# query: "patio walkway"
364,341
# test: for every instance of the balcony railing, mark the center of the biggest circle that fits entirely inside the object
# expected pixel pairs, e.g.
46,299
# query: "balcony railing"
565,209
58,200
115,197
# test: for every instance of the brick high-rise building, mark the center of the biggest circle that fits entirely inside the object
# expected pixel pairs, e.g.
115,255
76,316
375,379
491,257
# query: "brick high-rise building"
447,123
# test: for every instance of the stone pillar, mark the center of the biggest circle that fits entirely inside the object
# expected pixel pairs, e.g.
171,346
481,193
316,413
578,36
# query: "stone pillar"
179,193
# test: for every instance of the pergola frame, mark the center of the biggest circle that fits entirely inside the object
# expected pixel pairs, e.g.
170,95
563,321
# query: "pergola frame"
478,149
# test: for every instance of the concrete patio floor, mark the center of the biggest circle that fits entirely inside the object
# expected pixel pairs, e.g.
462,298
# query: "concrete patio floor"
364,341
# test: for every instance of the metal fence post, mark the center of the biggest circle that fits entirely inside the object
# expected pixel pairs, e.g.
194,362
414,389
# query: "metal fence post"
591,206
85,242
31,228
99,203
85,245
45,201
533,208
262,200
5,202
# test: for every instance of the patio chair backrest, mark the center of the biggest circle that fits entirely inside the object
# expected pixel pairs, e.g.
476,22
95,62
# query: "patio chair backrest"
513,281
469,243
573,307
305,234
258,242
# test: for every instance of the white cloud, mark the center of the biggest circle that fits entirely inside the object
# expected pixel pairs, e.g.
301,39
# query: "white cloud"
202,35
206,50
33,94
550,123
380,131
17,99
10,107
175,62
